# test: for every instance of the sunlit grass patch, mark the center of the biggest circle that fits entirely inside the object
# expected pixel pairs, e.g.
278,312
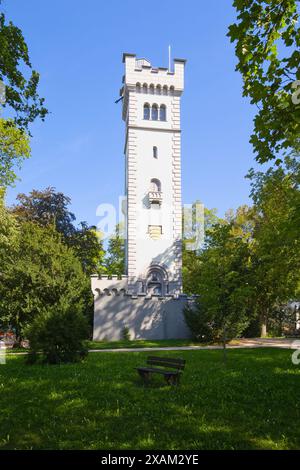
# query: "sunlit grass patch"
251,403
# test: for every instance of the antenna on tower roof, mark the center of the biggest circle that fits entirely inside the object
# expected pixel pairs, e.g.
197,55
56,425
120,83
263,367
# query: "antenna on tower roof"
169,58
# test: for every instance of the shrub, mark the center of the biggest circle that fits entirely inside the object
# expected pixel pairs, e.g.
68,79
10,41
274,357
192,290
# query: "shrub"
58,333
200,323
126,333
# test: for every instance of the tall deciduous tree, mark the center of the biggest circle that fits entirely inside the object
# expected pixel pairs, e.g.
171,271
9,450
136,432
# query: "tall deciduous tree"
267,41
115,258
50,208
191,261
21,95
88,247
276,248
40,273
14,148
222,311
46,207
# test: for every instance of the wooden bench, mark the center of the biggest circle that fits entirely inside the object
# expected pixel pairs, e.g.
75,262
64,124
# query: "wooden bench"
165,364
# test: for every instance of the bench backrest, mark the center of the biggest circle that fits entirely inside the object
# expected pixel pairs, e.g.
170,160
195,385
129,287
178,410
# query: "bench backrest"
172,362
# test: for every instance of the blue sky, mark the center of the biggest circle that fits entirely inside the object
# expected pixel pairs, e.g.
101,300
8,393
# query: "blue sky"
77,47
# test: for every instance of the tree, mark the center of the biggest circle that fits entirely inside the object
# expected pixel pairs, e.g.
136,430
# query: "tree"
21,94
41,272
222,310
14,148
267,38
46,207
88,247
115,258
275,253
9,232
50,208
191,261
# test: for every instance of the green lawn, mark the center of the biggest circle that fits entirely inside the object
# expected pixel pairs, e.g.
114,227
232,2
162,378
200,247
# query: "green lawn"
253,403
140,343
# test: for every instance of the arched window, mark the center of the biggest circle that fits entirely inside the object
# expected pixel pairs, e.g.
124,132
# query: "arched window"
165,90
155,152
155,185
154,113
145,88
146,111
138,88
158,90
162,113
171,90
151,89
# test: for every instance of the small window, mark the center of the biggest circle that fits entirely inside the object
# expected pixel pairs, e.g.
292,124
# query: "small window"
138,88
171,90
165,90
158,90
146,111
155,185
154,114
162,113
151,89
155,152
145,88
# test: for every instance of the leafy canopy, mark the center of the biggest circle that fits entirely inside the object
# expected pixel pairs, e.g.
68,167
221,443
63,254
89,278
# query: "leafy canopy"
21,95
267,41
14,148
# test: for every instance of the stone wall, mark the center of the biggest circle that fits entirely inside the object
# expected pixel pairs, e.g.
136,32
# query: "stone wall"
147,317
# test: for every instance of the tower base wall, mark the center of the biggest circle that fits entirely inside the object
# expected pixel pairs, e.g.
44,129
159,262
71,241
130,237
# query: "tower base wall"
146,317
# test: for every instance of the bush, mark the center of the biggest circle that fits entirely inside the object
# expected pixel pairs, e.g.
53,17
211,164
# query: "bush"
208,325
59,334
199,322
126,333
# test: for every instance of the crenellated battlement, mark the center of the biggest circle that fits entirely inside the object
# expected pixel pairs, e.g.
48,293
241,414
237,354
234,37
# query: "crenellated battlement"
141,70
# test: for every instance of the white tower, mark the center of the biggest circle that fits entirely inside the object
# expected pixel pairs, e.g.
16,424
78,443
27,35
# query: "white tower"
151,111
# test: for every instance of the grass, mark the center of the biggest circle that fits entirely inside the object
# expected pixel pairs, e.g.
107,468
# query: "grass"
252,403
140,343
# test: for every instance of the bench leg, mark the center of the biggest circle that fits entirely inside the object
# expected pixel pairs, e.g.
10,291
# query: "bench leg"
172,379
144,375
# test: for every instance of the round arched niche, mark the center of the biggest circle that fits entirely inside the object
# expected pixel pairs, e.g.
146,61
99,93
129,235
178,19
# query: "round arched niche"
157,282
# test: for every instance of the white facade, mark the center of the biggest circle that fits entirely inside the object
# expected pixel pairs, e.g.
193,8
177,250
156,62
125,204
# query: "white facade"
151,111
148,299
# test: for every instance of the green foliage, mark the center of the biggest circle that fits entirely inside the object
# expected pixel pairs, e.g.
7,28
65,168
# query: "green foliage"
58,332
15,66
9,231
191,261
267,41
88,247
115,258
275,251
37,275
50,208
201,323
14,148
46,207
222,312
126,333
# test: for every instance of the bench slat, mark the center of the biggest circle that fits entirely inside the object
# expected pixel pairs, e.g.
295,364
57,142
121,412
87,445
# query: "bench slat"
166,362
159,371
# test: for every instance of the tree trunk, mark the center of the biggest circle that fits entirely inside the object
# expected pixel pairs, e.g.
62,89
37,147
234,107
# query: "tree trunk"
263,326
224,346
